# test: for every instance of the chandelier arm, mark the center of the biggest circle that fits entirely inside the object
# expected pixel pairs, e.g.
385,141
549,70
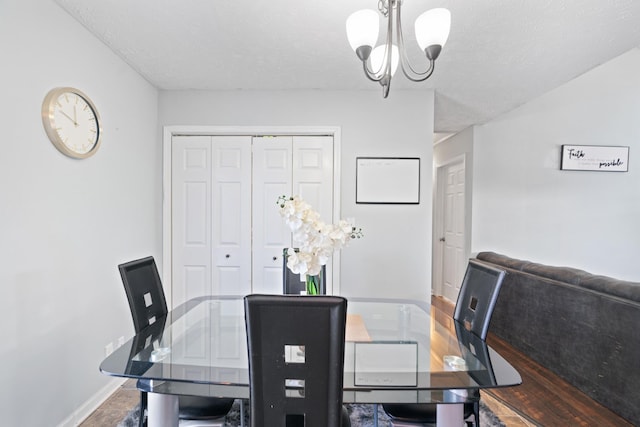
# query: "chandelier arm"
405,64
400,36
423,76
370,74
388,49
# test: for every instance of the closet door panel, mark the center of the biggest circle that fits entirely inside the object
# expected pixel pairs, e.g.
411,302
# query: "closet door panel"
191,214
312,173
272,178
231,207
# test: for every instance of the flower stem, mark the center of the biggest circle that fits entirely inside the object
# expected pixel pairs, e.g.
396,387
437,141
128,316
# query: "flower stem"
312,283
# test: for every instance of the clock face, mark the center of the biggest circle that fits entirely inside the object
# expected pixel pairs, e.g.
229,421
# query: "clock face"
71,122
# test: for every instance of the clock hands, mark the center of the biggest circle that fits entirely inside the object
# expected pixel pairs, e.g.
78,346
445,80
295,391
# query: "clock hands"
69,117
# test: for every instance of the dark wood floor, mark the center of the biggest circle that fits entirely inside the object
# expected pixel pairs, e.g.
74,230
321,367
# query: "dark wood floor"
543,398
115,408
546,398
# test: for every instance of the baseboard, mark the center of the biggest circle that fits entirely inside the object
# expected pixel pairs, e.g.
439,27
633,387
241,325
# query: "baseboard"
87,408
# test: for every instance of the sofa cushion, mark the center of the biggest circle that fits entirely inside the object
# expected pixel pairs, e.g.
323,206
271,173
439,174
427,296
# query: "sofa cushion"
607,285
503,260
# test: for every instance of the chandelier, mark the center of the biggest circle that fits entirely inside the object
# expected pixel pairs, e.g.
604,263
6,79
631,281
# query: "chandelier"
380,63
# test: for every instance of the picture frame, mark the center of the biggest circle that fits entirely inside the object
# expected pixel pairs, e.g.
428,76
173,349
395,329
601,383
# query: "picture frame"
388,180
599,158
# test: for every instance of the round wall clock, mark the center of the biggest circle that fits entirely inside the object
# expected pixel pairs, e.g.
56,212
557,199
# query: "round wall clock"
72,122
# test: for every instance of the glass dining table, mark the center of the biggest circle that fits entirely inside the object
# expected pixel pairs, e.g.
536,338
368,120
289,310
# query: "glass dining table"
396,351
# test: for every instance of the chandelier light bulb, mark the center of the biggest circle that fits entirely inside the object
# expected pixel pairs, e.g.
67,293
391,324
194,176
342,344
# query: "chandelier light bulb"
432,28
379,60
362,28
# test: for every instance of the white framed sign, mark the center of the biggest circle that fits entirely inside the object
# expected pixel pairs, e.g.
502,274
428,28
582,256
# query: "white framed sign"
599,158
388,180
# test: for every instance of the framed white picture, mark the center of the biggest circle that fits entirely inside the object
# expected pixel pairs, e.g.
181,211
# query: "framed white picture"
388,180
595,158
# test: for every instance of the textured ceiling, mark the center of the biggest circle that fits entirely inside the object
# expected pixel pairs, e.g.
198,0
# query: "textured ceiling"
500,53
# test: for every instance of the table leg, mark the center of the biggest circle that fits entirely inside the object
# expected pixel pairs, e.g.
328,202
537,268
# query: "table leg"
375,415
450,415
162,410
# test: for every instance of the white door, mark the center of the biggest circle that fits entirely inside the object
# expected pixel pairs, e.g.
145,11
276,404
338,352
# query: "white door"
272,178
227,233
453,226
231,207
285,166
190,205
211,205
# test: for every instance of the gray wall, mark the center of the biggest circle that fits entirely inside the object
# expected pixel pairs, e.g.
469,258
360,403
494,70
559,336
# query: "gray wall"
394,257
525,207
65,224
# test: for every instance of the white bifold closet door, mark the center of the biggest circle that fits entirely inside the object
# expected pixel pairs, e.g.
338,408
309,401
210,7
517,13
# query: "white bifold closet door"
285,166
227,233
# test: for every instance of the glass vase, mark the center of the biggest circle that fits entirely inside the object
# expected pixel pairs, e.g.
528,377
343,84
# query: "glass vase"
313,284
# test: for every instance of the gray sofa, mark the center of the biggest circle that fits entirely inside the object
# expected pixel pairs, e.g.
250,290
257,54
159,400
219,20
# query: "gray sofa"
583,327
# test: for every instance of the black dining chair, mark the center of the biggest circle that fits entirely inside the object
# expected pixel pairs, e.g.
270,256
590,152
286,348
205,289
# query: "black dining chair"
477,298
288,389
473,310
148,306
291,283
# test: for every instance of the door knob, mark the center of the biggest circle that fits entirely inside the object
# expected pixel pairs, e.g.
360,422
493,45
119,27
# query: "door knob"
227,256
442,239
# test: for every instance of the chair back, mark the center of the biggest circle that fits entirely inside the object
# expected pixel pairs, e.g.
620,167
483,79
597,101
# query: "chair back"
475,352
296,359
291,283
477,297
144,291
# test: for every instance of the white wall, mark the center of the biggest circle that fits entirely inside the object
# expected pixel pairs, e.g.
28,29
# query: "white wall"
394,257
525,207
65,224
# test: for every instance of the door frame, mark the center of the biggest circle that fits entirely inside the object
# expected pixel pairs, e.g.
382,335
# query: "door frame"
438,219
170,131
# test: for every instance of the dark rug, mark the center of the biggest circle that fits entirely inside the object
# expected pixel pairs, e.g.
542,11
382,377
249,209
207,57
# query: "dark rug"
361,415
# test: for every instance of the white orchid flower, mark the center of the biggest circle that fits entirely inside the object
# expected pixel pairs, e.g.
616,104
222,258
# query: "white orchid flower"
316,240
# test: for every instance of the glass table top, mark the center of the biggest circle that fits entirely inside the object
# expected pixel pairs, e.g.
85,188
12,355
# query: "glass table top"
395,351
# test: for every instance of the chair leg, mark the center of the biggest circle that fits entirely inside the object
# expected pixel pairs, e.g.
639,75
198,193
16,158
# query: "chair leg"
143,406
476,413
